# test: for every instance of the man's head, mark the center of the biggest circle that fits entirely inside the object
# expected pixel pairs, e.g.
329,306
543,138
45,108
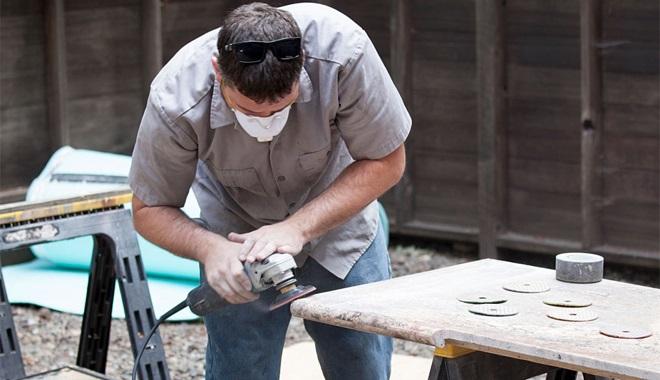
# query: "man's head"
259,88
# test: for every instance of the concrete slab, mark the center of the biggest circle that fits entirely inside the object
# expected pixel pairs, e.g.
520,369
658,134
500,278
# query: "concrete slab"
299,362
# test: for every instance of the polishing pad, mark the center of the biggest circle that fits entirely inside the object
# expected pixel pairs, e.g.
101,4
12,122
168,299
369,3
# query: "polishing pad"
291,295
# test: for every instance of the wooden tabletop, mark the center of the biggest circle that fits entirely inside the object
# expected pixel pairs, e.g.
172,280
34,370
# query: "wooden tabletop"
423,308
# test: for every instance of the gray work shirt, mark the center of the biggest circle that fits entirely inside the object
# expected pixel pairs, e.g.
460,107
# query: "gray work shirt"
348,109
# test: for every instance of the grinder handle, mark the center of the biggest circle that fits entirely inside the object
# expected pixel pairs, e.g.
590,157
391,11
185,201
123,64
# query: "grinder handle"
203,300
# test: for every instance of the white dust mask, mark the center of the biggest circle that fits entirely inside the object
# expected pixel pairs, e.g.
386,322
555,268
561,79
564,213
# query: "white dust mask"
263,128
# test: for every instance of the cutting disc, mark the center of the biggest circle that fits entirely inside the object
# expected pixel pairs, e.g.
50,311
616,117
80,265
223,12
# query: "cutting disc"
481,298
493,310
566,300
573,315
527,287
625,332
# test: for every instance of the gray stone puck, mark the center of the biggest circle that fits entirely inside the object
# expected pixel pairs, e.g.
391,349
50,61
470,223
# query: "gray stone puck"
527,287
481,298
573,315
579,267
493,310
625,332
566,300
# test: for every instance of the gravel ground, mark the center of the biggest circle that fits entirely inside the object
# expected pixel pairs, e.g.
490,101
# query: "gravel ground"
50,339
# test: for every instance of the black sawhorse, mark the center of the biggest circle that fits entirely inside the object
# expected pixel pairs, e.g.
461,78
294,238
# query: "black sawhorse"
457,363
116,256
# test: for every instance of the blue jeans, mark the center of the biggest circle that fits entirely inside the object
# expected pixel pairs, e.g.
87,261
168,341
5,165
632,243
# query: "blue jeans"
246,341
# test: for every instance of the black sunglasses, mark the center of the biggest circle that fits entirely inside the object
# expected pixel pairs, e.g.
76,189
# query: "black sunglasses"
285,49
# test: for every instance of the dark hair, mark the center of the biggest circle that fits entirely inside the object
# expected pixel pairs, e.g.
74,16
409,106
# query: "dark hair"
271,79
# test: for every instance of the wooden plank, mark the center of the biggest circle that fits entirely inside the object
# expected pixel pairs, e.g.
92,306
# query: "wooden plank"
630,37
423,308
544,176
591,118
550,246
23,127
491,132
15,194
446,193
631,152
630,141
57,81
633,224
108,82
541,34
374,16
24,136
21,93
553,147
631,184
544,214
24,211
525,242
400,59
542,107
152,42
104,116
451,232
91,117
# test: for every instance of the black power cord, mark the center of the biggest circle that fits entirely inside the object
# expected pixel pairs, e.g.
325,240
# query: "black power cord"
170,313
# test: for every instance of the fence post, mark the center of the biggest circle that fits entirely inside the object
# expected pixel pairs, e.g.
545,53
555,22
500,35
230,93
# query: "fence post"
591,118
152,42
491,131
56,76
401,70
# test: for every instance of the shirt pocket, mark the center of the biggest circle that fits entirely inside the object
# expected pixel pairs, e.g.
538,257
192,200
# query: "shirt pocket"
241,180
312,164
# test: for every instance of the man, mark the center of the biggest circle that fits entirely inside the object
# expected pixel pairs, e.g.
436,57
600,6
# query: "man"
288,127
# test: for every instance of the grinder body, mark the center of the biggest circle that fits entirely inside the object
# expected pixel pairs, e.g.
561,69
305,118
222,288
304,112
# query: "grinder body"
276,270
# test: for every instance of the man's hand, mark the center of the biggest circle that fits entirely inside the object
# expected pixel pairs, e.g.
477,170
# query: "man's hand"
280,237
224,272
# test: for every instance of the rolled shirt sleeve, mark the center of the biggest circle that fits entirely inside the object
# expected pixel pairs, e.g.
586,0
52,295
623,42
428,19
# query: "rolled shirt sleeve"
372,117
164,159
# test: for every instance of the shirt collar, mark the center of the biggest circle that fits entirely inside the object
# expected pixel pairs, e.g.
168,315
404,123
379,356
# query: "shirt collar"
222,115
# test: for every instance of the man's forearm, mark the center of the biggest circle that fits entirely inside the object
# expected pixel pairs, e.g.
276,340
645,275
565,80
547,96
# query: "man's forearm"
171,229
357,186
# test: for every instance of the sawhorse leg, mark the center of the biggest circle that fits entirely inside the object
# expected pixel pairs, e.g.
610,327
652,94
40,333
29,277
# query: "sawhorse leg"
11,362
457,363
116,256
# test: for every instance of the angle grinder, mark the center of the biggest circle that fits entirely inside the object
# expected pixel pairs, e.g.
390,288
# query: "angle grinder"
274,271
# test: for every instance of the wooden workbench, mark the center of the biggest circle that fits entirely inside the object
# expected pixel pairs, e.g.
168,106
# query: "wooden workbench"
423,308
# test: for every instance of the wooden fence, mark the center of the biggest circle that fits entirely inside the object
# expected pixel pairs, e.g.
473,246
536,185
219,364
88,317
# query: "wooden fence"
536,123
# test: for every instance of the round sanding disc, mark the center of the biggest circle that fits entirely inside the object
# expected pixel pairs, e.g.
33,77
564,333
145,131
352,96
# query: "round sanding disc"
566,300
493,310
481,298
527,287
625,332
573,315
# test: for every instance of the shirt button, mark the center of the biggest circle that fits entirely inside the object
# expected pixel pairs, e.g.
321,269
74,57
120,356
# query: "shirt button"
281,178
